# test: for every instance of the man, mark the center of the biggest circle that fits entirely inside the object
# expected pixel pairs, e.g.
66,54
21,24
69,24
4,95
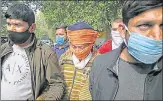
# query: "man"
30,69
116,40
61,40
77,61
132,71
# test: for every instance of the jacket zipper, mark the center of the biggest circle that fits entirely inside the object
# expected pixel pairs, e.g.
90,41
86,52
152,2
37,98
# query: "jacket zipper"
117,64
145,86
73,82
116,91
32,82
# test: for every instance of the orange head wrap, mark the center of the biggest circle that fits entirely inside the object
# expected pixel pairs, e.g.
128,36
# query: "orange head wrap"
80,37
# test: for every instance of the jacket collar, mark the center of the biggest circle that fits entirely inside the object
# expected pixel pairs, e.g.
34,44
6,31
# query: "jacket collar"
159,64
9,45
115,56
66,45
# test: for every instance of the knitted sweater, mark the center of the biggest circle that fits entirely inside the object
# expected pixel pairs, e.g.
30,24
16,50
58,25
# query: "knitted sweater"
77,80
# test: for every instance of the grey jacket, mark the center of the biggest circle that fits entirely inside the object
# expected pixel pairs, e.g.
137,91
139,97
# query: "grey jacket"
47,81
104,78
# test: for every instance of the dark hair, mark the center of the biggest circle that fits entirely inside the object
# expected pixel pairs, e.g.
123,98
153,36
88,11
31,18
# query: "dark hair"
20,11
132,8
61,27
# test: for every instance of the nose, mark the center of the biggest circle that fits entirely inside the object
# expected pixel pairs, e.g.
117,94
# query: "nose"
156,33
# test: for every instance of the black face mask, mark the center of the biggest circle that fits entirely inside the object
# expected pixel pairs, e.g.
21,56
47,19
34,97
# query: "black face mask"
19,37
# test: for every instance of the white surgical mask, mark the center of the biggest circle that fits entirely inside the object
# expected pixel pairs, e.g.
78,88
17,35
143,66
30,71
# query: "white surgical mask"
116,39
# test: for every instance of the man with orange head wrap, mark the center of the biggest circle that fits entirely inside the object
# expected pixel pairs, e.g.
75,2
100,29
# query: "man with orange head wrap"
77,61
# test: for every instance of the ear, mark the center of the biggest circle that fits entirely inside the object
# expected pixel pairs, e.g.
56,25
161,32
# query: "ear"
32,28
122,30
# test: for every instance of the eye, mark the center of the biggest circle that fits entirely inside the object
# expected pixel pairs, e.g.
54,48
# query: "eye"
144,27
8,24
61,34
114,29
18,25
73,46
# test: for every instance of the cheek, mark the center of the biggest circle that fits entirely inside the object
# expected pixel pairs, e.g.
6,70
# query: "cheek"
21,29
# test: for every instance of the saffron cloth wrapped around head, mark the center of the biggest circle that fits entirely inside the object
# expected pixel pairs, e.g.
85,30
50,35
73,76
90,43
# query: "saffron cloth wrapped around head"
82,37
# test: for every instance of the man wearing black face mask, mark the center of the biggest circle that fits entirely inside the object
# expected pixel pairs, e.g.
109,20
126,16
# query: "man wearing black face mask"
30,69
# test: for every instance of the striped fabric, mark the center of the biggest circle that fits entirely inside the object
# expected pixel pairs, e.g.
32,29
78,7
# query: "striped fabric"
77,80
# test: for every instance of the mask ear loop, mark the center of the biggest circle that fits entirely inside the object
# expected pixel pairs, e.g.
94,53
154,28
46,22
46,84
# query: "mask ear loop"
127,29
124,39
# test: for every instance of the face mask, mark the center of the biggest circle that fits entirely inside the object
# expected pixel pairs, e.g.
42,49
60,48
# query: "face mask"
19,37
116,39
60,40
143,48
82,54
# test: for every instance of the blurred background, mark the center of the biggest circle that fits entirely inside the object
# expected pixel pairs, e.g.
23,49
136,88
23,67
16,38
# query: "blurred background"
52,13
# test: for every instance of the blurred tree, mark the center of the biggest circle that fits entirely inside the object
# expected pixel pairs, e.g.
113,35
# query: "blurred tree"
35,5
98,13
49,14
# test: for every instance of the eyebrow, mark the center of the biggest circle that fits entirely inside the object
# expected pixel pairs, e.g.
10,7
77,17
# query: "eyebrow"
15,23
144,22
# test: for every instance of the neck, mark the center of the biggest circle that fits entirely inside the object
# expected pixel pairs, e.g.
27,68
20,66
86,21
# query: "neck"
26,43
62,46
126,56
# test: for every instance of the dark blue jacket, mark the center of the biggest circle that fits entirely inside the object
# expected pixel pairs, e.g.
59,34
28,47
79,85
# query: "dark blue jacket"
58,51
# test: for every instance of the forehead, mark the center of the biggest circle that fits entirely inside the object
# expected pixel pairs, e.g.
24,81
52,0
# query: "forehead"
61,30
115,24
15,21
152,15
80,44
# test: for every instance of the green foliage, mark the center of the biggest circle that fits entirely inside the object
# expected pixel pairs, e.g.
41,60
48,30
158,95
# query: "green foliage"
41,25
34,5
99,14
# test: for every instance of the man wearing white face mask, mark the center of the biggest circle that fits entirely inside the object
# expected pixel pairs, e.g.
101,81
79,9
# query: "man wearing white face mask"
116,40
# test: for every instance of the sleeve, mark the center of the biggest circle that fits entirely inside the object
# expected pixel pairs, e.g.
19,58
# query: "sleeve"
56,85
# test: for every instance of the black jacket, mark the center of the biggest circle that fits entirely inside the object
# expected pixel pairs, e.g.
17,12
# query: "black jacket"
104,78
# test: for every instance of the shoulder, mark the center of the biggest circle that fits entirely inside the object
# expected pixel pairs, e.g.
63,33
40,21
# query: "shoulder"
107,42
47,50
105,60
66,56
3,46
102,58
106,47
